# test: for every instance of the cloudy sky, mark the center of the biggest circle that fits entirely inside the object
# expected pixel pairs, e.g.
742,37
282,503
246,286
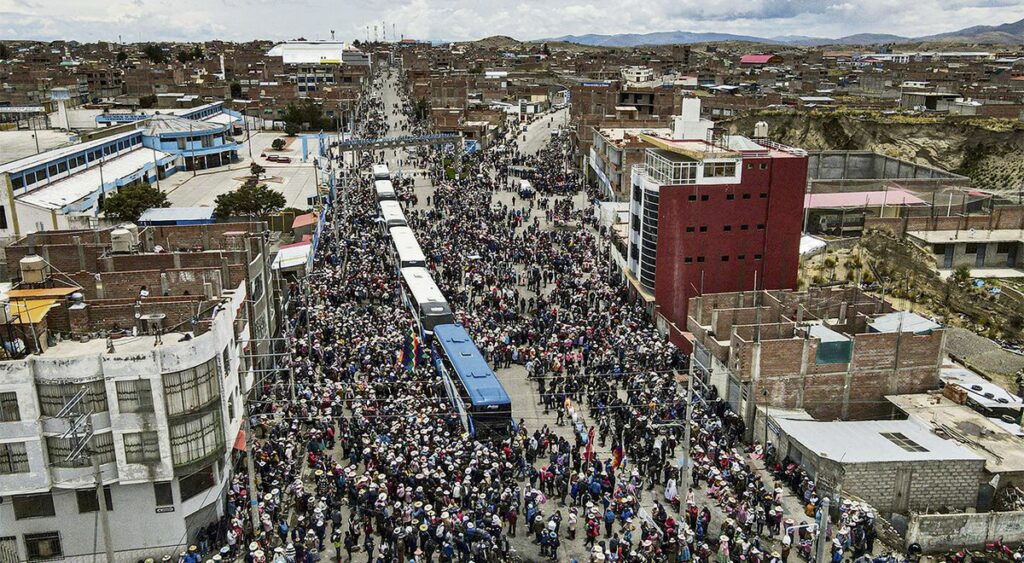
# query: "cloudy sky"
184,20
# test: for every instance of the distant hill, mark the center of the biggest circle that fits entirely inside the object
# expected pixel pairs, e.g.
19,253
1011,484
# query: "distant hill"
1007,33
656,38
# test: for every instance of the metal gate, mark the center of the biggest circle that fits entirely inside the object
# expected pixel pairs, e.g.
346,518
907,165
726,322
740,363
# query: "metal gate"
9,549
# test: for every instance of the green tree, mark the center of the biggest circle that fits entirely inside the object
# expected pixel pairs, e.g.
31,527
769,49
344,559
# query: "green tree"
122,56
252,201
5,52
184,56
961,275
154,53
129,202
278,144
197,53
236,90
256,169
306,113
291,128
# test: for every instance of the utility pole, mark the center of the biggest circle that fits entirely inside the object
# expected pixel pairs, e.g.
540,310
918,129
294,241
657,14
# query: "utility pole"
250,467
684,474
80,433
823,525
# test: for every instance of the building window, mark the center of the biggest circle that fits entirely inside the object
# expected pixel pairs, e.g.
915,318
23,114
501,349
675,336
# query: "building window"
195,483
9,410
700,259
692,197
690,229
163,493
13,458
134,395
3,217
746,196
705,197
764,195
760,226
971,248
54,396
87,500
725,258
744,227
43,546
196,438
191,389
101,445
727,228
764,166
688,260
719,169
757,257
62,166
703,228
902,441
141,447
741,257
33,506
1004,247
730,197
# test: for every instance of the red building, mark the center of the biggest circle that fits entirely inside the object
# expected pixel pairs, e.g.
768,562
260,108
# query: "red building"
713,216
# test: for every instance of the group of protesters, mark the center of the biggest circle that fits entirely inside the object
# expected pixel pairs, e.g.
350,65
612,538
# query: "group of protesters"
358,454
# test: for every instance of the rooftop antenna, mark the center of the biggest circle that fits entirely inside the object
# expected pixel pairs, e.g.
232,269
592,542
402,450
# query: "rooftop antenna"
384,30
393,33
374,33
332,35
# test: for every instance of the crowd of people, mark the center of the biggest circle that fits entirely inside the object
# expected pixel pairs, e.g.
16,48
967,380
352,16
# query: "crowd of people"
359,456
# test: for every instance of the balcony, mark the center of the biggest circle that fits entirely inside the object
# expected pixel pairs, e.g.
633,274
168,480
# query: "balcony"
666,168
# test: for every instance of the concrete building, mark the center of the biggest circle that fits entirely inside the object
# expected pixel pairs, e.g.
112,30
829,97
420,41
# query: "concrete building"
62,188
614,152
832,352
712,214
165,344
893,465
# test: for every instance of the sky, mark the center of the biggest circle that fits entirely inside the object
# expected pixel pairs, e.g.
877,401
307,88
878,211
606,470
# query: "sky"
239,20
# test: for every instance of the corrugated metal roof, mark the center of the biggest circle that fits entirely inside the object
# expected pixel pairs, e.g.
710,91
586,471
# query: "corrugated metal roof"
864,441
903,321
41,292
176,214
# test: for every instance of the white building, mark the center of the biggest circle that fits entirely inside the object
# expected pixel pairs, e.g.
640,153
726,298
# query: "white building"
165,415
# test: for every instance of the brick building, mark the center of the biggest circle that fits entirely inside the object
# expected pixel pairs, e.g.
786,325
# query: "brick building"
835,353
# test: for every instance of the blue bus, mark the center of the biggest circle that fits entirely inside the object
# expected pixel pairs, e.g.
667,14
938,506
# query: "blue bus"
475,392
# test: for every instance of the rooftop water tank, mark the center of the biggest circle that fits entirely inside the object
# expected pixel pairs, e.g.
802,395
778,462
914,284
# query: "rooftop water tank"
33,269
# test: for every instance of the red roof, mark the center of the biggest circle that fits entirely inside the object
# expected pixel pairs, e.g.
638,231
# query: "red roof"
303,220
756,59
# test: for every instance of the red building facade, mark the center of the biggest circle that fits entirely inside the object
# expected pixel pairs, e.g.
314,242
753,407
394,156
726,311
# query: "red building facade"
732,224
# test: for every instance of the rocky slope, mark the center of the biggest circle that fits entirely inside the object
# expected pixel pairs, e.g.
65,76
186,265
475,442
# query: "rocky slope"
989,151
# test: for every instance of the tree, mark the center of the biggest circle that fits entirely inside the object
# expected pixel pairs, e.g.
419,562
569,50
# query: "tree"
197,53
306,113
154,53
546,50
256,169
122,56
146,102
253,201
291,128
5,52
129,202
236,90
184,56
278,144
961,275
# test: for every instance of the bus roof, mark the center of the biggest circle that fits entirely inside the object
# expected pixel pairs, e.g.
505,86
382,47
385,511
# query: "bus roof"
470,366
422,286
383,184
406,245
380,169
390,210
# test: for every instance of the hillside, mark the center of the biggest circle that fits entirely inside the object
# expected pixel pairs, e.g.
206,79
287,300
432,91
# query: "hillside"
1007,33
990,152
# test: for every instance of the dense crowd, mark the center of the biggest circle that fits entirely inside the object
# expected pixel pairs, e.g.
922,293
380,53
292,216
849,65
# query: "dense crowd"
359,456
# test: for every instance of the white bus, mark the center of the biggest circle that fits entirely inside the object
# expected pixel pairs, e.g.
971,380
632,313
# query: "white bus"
391,215
381,172
425,300
385,190
407,251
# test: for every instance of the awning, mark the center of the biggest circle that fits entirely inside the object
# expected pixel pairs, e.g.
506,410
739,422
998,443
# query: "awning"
240,440
30,311
41,292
